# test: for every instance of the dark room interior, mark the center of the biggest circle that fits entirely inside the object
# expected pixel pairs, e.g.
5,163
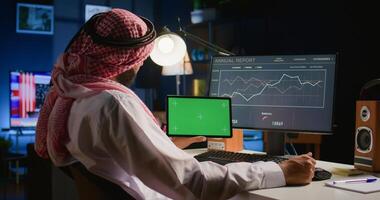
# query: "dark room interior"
244,27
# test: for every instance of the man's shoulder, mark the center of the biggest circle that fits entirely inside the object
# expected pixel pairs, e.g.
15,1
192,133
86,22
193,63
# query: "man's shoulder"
103,102
103,98
117,96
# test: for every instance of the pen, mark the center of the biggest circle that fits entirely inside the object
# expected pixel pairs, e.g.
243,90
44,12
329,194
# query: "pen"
361,180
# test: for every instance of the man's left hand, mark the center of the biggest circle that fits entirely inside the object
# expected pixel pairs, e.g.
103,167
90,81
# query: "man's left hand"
183,142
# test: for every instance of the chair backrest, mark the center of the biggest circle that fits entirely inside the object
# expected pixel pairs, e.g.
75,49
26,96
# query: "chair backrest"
39,171
91,186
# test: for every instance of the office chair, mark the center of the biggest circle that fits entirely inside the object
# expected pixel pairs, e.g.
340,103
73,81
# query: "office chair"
91,186
88,185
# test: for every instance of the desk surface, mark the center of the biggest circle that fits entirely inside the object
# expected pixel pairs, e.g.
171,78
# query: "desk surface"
313,191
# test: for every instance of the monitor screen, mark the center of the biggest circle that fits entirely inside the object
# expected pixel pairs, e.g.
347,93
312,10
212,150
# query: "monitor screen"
282,92
199,116
27,94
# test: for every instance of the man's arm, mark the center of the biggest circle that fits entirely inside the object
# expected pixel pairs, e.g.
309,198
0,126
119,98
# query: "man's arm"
142,149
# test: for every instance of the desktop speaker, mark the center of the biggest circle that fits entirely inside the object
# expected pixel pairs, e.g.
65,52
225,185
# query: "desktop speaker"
367,135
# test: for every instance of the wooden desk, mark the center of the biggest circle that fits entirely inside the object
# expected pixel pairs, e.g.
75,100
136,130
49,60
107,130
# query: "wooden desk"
314,191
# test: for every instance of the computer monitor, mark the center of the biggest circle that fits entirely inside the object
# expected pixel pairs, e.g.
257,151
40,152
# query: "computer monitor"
27,94
292,93
199,116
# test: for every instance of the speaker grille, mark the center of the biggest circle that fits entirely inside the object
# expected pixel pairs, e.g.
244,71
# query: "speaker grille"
364,139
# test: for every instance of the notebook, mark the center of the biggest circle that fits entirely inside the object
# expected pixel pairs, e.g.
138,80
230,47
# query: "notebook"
358,187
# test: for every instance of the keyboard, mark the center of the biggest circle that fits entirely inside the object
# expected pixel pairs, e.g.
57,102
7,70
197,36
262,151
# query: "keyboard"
225,157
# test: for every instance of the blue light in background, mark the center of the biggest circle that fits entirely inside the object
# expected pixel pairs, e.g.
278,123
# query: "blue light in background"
253,140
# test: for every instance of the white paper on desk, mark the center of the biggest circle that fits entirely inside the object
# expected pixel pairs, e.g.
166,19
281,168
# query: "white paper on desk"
358,187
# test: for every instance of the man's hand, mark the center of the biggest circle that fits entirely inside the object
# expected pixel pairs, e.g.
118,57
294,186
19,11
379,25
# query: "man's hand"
298,170
183,142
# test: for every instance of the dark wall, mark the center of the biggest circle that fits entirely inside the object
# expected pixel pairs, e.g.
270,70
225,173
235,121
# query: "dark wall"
298,27
19,51
357,66
166,14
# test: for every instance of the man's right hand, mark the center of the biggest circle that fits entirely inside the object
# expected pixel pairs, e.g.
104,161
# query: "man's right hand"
298,170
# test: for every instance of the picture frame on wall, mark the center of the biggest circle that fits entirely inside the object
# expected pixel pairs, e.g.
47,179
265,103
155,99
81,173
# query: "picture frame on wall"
35,19
91,10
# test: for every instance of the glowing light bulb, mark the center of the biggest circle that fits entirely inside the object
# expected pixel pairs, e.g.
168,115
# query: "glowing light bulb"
169,49
166,45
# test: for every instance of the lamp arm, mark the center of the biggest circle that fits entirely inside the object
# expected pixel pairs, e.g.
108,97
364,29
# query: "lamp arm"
205,43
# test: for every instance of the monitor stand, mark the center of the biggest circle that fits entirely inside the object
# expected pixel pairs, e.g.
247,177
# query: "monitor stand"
275,143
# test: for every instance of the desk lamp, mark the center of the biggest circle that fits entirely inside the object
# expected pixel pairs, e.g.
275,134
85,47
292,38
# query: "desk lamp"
183,67
170,50
169,47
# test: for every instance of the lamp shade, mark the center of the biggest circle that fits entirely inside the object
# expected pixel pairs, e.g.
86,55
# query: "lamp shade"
183,67
169,49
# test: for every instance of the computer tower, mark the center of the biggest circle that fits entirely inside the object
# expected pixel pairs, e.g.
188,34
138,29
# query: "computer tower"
367,135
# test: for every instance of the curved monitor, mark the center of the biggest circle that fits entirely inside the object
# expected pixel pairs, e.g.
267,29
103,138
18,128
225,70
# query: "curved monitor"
27,94
283,92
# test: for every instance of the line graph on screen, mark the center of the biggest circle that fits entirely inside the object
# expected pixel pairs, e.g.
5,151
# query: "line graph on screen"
277,88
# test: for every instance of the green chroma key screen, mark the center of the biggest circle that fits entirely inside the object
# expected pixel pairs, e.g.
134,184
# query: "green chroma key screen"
194,116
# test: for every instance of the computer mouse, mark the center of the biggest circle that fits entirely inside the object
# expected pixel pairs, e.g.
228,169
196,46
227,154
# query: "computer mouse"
321,174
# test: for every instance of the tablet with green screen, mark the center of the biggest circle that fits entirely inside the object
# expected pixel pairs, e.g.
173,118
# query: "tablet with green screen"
199,116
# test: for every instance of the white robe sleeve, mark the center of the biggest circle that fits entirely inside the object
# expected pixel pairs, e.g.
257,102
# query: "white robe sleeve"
141,148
